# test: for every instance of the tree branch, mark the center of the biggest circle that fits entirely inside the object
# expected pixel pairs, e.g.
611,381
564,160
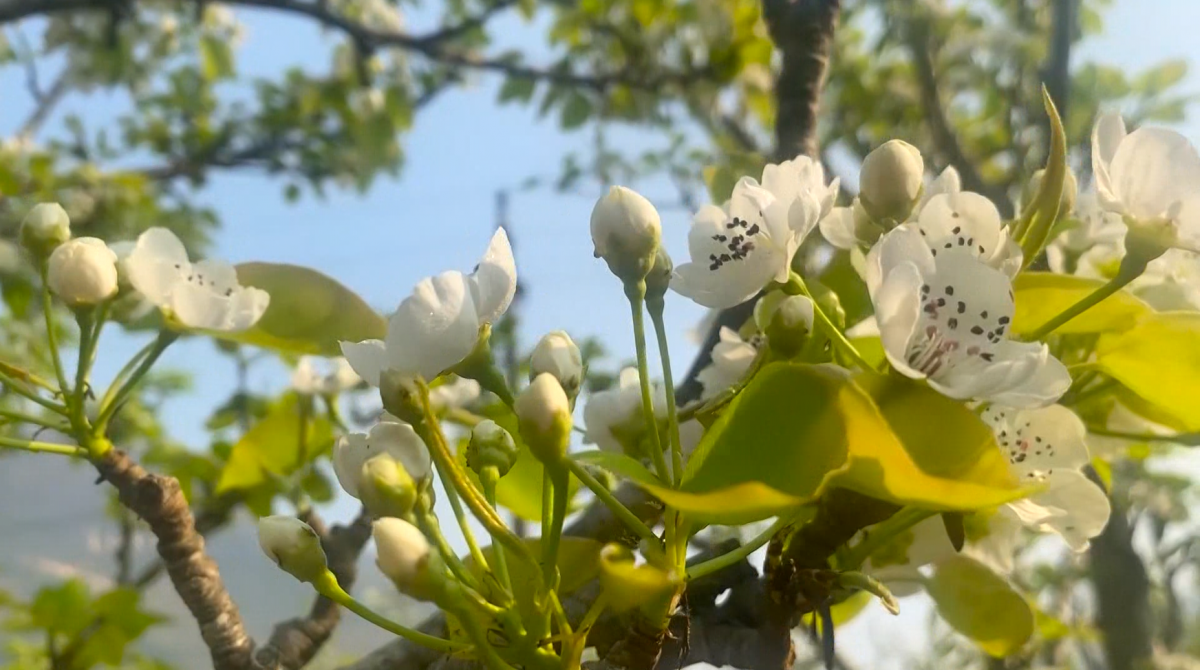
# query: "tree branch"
1057,73
803,33
160,503
1122,595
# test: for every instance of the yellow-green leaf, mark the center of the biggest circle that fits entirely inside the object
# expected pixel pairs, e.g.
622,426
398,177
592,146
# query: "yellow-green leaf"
1041,296
627,585
578,563
1159,360
309,311
273,446
981,605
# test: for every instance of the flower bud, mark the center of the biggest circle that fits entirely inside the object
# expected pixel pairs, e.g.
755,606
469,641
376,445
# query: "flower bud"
45,227
83,271
293,545
659,279
404,556
790,325
401,396
386,487
1069,194
891,181
491,446
626,231
557,355
544,415
398,441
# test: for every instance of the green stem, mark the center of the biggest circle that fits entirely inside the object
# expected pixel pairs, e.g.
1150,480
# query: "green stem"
490,477
559,478
328,586
656,308
637,294
43,447
86,332
464,525
725,560
1091,300
429,525
51,335
35,420
130,365
615,506
116,398
864,582
883,533
830,328
19,387
484,648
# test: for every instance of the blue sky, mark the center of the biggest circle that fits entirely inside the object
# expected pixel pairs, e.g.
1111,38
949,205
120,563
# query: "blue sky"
439,214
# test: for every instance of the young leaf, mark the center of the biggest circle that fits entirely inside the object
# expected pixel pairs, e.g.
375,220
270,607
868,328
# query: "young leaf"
1032,231
1041,296
1159,360
273,445
981,605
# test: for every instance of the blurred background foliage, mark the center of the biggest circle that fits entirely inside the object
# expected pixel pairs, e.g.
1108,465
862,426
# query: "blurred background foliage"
960,80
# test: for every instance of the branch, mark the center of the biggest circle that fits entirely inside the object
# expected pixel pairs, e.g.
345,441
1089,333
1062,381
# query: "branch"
160,503
1057,74
1122,595
295,641
803,33
945,140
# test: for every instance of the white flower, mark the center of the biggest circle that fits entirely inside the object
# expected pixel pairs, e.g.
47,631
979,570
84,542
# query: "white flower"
626,231
83,271
943,318
798,185
337,376
1149,176
851,227
392,438
890,181
453,393
544,415
45,227
1095,229
1046,446
403,554
966,221
293,545
613,417
731,359
437,326
557,354
204,295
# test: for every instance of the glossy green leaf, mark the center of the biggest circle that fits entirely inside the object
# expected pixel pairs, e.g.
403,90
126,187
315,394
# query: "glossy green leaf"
1159,360
309,311
273,446
981,605
1040,296
798,429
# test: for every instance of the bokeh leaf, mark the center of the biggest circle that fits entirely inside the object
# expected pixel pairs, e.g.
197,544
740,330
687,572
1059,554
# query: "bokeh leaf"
273,446
981,605
1041,296
1159,360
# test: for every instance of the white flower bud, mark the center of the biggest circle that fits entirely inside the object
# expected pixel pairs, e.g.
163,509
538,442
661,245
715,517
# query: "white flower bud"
544,415
386,487
83,271
491,446
891,181
626,231
45,227
404,556
790,325
557,354
293,545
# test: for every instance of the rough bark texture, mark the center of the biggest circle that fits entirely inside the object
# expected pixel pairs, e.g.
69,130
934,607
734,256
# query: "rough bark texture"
802,31
158,501
296,641
1122,595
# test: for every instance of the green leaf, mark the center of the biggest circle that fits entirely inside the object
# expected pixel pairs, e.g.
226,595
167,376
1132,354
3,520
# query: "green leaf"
627,585
61,609
1032,231
121,621
620,465
981,605
273,445
1041,296
216,58
1159,360
517,88
798,429
309,312
576,110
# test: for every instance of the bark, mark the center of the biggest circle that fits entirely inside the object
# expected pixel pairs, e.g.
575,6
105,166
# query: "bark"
802,31
1122,595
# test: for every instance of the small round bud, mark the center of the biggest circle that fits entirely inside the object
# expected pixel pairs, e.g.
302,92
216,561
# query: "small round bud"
891,181
659,279
557,355
404,556
45,227
293,545
790,325
1069,194
401,396
544,415
386,487
491,446
83,271
626,232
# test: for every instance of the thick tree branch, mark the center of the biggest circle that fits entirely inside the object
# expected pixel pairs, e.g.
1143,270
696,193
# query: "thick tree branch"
1057,74
945,140
803,33
159,502
296,641
1122,595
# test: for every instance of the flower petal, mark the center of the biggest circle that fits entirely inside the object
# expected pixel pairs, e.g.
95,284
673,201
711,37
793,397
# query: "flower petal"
1106,137
904,244
157,263
897,311
838,229
368,359
1039,441
962,221
494,281
434,328
1072,506
402,443
1153,171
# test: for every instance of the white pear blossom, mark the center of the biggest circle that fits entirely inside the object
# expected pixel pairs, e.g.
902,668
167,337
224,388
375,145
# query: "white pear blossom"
293,545
890,181
83,271
203,295
626,231
392,438
966,221
613,417
46,226
455,392
437,326
403,555
1047,446
943,317
311,377
731,359
1150,176
851,227
557,354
